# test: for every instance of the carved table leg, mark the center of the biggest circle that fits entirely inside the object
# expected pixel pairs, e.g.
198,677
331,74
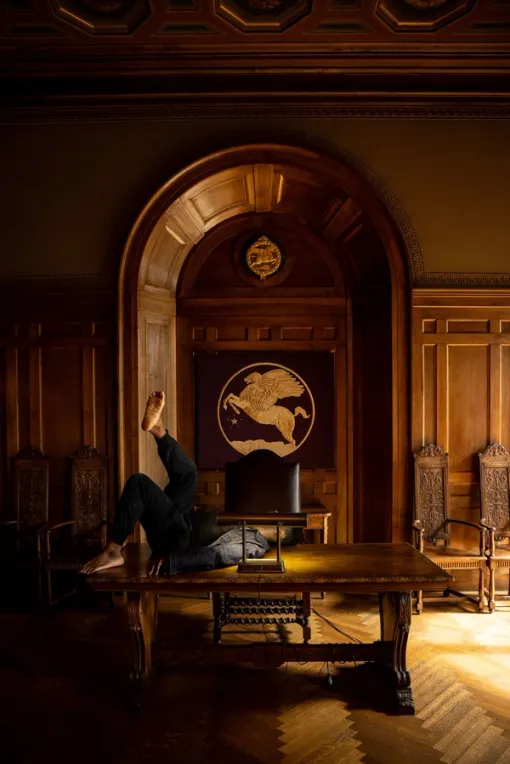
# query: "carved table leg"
395,611
142,623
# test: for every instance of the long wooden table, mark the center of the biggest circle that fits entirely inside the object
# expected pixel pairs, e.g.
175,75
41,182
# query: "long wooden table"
393,571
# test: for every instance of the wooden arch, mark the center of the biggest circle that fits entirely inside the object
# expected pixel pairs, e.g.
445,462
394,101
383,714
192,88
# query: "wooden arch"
330,198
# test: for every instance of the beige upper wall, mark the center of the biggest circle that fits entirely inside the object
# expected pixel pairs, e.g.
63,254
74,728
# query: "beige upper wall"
72,192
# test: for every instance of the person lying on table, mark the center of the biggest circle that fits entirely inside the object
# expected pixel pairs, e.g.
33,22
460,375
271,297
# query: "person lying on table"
179,536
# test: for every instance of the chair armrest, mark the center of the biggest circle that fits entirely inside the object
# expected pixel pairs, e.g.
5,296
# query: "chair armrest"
418,536
47,535
8,522
477,526
59,525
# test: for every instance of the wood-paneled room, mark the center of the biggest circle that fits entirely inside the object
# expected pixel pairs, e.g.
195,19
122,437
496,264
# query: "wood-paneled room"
254,381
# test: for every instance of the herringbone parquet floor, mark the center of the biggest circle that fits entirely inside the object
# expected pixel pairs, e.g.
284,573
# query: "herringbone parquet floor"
64,677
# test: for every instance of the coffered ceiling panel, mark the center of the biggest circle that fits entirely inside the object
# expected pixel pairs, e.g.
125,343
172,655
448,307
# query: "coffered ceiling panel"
193,49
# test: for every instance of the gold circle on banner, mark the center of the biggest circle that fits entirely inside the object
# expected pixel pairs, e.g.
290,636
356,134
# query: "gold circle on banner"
263,258
258,400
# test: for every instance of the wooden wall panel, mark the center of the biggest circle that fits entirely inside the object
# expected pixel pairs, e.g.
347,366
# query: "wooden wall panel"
429,401
505,393
57,391
62,419
467,402
461,395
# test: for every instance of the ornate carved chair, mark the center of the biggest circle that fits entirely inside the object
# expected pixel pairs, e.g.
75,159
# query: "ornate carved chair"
432,523
69,544
262,483
495,511
20,539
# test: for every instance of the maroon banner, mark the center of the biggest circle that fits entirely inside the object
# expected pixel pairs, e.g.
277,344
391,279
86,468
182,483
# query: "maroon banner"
279,401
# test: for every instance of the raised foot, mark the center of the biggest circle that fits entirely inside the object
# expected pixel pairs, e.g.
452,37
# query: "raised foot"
153,409
103,561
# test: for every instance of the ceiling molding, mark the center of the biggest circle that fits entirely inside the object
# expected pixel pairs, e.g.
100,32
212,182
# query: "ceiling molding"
136,110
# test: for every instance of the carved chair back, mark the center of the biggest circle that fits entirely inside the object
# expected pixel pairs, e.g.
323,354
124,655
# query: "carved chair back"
262,482
495,488
89,492
431,492
31,486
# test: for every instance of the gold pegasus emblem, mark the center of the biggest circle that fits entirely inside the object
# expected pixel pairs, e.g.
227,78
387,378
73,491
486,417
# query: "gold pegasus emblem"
263,258
258,400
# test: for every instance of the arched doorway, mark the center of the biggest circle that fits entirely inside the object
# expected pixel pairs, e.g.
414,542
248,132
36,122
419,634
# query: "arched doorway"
346,292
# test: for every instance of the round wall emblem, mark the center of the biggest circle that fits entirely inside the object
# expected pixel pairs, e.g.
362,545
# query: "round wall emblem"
258,409
263,258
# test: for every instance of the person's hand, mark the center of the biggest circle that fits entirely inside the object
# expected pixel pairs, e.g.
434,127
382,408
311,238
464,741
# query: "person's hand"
158,565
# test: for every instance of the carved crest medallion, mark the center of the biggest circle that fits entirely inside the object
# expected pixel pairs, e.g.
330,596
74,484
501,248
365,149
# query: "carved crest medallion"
257,409
263,258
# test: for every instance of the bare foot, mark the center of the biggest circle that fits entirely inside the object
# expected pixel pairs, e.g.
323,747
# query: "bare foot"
153,409
110,558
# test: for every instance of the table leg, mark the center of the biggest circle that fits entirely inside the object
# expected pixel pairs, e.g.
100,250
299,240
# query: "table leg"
395,612
142,615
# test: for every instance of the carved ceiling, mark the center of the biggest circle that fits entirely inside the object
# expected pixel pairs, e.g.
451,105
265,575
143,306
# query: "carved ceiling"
190,47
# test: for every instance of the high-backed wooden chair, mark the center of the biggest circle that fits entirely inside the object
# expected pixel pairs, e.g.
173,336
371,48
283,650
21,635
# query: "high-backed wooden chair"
20,537
432,523
69,544
495,511
262,483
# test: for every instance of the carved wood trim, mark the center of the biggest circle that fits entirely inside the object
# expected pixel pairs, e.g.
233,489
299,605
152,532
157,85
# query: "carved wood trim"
431,491
297,106
89,492
495,487
31,477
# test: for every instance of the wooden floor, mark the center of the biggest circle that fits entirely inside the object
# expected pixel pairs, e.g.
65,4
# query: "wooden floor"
64,676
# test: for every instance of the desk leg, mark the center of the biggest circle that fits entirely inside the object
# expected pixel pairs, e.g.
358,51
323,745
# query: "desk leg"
395,611
142,615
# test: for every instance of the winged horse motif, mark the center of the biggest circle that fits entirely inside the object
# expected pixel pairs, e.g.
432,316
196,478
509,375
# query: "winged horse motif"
259,397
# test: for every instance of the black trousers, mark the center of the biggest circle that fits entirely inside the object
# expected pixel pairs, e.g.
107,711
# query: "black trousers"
166,516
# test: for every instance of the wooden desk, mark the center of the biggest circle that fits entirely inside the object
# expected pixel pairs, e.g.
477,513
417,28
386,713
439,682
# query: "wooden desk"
393,571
